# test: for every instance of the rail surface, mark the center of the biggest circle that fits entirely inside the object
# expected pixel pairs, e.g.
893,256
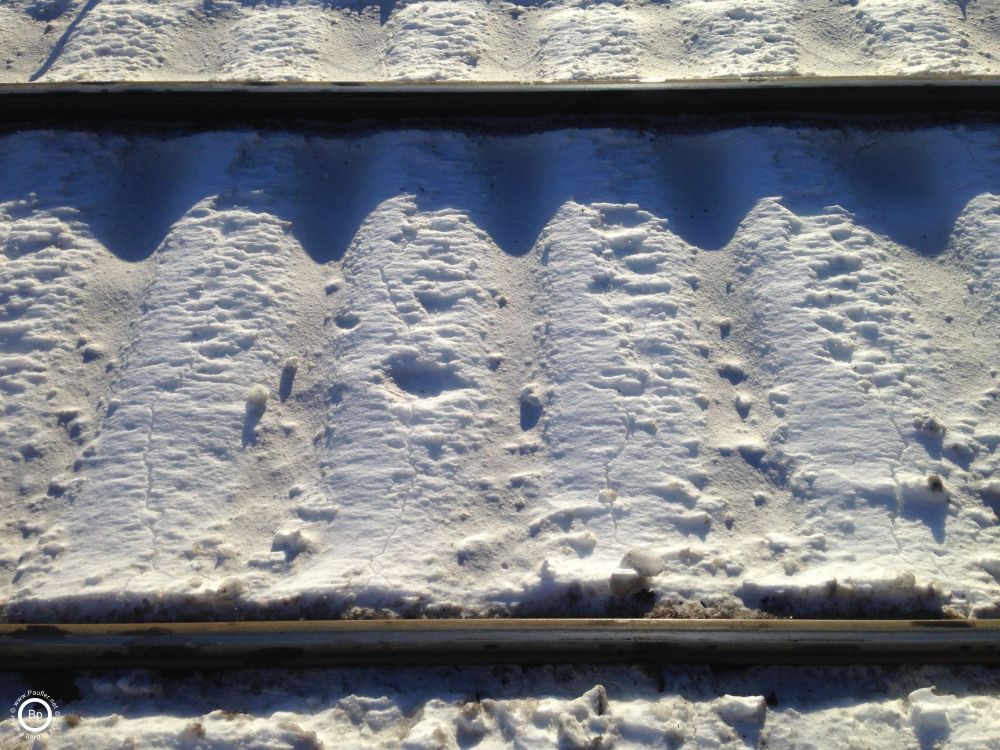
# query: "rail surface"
61,103
457,642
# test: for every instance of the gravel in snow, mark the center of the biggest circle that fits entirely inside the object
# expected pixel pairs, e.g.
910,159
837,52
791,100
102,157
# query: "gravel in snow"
249,374
558,40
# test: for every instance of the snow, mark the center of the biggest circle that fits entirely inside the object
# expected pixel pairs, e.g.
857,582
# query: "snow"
680,371
561,706
555,40
255,374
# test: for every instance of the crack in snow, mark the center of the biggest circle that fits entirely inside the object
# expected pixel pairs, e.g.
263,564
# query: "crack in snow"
607,473
373,561
402,507
391,298
148,465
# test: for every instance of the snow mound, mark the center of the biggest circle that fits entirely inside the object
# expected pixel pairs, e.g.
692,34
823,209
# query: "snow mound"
563,706
557,40
533,377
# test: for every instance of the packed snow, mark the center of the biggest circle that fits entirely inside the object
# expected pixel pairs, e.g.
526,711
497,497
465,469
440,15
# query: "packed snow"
682,371
500,40
747,371
531,707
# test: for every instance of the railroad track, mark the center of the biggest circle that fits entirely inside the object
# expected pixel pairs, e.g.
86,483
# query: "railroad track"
457,642
402,642
69,104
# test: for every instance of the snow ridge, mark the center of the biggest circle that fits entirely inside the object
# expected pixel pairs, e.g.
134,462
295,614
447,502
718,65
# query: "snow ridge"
545,706
250,420
557,40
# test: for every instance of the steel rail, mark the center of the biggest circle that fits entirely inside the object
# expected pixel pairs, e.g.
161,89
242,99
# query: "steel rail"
200,102
456,642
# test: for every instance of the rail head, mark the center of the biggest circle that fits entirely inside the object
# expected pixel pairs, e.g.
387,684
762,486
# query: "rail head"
457,642
219,103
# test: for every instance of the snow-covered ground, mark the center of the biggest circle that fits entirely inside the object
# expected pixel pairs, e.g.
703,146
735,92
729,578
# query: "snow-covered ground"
351,40
749,370
572,708
674,372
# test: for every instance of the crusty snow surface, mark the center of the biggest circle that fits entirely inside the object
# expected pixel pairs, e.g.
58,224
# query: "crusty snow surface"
557,40
571,708
743,371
